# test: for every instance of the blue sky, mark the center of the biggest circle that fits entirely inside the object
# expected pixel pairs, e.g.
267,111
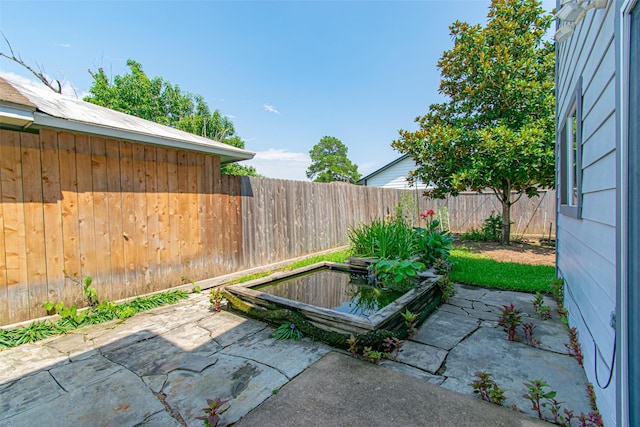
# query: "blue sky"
287,73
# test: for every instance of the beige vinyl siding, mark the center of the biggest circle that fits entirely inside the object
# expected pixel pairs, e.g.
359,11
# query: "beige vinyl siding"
586,247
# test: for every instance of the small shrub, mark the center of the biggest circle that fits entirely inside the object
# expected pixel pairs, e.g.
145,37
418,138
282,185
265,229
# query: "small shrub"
212,412
511,318
541,310
491,230
216,297
432,245
536,393
487,388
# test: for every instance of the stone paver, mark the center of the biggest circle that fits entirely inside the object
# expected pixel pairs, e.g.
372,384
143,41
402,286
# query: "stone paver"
444,329
422,356
230,377
159,367
512,364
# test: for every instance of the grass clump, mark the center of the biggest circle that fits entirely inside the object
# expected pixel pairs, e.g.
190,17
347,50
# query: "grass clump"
100,313
338,256
475,269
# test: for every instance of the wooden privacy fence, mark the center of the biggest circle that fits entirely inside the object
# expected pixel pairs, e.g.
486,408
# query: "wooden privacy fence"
530,216
140,218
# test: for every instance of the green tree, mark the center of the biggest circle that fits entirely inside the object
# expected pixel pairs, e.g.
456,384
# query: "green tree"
496,129
330,162
162,102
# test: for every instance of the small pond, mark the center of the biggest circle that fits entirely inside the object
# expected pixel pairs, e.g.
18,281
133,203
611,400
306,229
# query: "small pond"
345,291
337,297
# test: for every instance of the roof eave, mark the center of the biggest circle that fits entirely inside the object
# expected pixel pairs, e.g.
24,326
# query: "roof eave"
229,155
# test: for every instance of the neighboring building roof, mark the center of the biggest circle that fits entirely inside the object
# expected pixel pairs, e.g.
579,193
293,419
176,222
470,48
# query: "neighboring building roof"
363,181
26,105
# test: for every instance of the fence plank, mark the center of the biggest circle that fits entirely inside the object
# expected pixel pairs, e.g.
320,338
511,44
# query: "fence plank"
154,246
164,268
14,227
174,214
34,223
86,214
129,220
102,270
114,221
52,212
141,239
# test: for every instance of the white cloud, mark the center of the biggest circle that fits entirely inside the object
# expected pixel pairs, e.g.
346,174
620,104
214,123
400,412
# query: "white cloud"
281,164
271,109
230,116
65,45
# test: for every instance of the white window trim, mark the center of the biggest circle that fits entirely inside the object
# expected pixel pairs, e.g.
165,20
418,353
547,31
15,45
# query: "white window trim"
568,206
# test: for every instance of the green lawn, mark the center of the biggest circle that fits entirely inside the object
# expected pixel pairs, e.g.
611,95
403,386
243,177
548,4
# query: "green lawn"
474,269
338,256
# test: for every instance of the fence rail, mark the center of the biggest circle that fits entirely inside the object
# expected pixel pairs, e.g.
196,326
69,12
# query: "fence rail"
139,218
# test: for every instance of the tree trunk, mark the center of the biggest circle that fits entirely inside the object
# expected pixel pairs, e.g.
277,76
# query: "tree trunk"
505,237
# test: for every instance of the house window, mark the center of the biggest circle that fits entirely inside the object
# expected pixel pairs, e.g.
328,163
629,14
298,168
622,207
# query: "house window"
570,158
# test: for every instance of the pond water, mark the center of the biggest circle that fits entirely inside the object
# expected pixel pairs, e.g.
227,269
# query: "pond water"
338,290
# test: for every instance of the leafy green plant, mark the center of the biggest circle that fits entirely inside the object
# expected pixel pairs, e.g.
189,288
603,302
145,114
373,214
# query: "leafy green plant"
90,293
492,227
352,342
397,274
49,307
216,297
511,318
212,412
557,288
541,310
371,355
443,266
487,388
432,245
392,347
536,393
491,230
447,287
574,346
528,330
287,331
410,319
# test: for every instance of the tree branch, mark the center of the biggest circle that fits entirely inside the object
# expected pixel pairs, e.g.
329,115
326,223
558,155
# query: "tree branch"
39,74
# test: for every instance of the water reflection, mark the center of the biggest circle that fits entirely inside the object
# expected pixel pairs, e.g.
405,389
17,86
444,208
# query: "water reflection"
333,289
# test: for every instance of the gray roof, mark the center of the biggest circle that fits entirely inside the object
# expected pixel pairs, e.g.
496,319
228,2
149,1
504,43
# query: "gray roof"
63,112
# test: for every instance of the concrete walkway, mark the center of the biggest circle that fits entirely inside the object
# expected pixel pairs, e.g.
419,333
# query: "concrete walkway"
159,367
